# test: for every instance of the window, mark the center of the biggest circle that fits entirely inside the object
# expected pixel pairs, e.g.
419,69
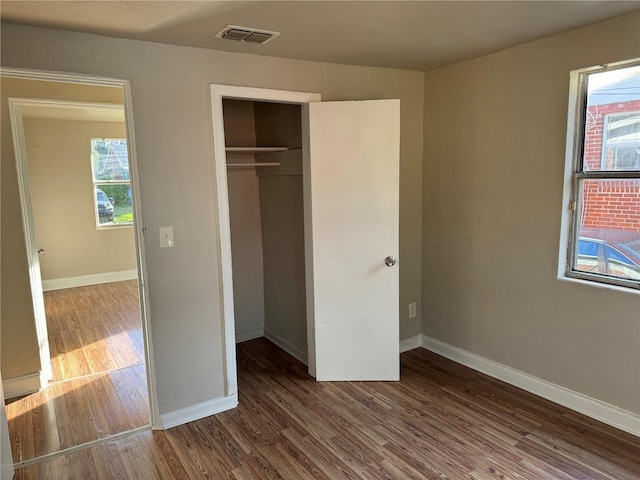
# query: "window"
111,186
602,190
621,140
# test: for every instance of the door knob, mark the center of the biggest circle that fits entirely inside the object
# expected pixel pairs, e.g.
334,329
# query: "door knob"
390,261
41,251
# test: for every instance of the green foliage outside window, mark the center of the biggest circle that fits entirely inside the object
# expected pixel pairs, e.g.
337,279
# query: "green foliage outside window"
118,194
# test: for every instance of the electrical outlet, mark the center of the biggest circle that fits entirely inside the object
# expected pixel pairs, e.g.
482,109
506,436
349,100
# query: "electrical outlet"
412,310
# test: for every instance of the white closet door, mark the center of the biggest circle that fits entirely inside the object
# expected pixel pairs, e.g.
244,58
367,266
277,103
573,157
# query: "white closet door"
351,210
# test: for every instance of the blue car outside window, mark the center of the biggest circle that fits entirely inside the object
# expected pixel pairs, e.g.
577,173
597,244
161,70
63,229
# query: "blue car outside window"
588,248
613,254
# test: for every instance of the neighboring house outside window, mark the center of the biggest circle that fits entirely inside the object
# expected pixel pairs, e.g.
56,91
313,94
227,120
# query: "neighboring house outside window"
602,230
612,204
112,189
621,142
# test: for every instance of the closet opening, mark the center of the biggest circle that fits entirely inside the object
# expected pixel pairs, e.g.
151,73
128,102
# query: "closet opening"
263,147
307,198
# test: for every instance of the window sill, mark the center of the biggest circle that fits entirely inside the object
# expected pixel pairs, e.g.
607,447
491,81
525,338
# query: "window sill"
605,286
102,228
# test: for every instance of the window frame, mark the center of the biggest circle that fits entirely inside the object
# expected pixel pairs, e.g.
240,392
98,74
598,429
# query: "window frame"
575,175
97,183
608,144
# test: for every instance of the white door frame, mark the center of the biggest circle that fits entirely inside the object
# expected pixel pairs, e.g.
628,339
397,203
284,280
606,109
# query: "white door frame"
29,230
218,93
6,459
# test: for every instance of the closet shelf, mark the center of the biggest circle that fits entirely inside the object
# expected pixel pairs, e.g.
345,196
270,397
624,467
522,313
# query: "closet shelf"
253,164
255,149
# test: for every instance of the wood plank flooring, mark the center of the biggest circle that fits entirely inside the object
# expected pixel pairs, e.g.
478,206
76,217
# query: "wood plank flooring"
441,421
99,384
94,329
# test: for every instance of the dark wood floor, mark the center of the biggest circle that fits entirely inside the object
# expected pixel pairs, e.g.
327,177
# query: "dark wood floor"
99,379
441,421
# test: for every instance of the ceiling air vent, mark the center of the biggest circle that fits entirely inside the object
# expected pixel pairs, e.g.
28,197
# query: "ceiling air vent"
244,34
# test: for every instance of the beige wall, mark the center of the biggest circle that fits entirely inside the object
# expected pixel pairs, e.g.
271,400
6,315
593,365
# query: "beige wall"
58,153
171,106
244,220
246,241
19,344
282,211
494,137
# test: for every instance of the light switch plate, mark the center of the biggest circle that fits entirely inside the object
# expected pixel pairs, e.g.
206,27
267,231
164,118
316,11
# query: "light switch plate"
166,237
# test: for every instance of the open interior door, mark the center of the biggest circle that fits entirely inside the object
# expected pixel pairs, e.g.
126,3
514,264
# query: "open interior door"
33,260
351,234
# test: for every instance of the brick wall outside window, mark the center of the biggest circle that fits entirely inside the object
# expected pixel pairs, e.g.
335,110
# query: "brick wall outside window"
609,204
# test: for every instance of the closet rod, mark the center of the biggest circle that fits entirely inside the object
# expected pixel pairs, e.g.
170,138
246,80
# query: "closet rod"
256,164
233,150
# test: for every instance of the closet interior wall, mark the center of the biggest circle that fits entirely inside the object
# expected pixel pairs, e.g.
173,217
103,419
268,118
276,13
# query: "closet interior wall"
267,224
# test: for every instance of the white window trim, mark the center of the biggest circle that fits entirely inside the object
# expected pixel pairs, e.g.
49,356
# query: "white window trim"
97,183
570,197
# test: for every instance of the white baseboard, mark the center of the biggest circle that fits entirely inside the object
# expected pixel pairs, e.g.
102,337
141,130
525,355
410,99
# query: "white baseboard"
7,472
591,407
84,280
19,386
410,343
292,350
249,335
196,412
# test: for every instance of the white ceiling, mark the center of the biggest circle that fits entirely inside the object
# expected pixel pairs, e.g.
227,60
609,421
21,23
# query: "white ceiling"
416,35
